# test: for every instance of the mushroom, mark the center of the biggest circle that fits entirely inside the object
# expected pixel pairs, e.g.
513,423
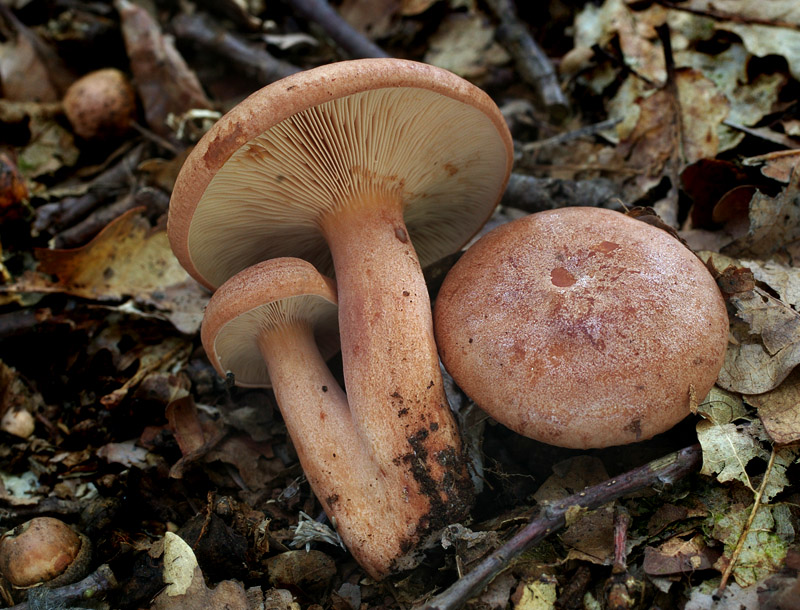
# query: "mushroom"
101,105
43,552
367,168
264,325
582,327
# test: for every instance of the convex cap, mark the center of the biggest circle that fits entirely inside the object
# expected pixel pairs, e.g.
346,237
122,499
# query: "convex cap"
582,327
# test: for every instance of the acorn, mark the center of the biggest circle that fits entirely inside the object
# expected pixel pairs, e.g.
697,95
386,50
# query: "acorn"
101,104
43,552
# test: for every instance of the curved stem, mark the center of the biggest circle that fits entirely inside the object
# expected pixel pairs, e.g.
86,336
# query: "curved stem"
391,367
347,481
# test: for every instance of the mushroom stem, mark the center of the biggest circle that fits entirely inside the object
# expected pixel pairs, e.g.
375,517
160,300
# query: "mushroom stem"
391,368
350,486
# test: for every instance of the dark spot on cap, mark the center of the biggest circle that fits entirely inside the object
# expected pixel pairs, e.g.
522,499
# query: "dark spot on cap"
561,277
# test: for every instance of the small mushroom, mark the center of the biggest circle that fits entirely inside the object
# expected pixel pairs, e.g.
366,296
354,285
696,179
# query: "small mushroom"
43,552
368,169
265,325
582,327
101,104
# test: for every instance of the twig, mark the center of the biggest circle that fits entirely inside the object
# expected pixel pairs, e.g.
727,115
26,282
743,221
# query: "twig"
569,136
765,134
532,194
622,589
353,42
532,63
52,217
740,544
721,15
253,61
664,471
154,200
100,581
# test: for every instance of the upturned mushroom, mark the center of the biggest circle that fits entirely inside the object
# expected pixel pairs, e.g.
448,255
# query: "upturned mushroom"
266,326
365,168
582,327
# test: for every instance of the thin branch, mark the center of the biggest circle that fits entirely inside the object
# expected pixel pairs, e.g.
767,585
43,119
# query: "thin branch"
251,60
740,544
721,15
99,582
661,472
533,65
350,40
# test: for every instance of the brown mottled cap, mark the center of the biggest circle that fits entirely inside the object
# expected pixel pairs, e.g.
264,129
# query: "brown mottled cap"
263,297
581,327
257,184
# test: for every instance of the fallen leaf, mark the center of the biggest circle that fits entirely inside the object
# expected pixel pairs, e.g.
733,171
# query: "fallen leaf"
465,45
126,259
311,571
779,11
765,332
774,222
186,588
538,594
635,30
165,83
126,454
777,165
679,556
763,549
779,409
728,449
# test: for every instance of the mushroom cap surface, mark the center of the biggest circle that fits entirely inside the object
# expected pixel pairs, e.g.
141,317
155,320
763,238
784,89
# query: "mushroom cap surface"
265,297
582,327
350,133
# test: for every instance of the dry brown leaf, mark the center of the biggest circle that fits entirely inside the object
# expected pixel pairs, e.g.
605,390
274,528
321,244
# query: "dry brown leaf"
126,259
779,11
375,18
30,70
464,44
165,83
774,222
636,30
679,556
304,570
777,165
779,410
186,589
703,108
591,537
767,344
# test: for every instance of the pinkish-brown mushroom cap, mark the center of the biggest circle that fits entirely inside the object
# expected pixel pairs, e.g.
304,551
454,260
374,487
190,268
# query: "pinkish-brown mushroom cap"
257,183
582,327
266,295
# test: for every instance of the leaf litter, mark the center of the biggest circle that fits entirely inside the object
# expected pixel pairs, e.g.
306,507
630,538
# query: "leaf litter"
119,401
